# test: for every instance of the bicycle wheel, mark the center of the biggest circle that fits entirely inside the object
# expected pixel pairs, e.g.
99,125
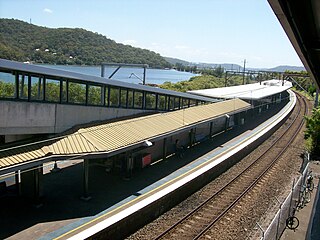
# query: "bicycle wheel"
302,201
292,222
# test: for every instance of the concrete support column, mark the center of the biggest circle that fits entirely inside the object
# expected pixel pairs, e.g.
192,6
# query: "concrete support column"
37,183
227,122
129,166
86,196
164,149
17,177
192,134
31,184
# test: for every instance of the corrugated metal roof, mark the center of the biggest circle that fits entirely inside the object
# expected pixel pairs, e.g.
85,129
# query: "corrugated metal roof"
248,91
110,137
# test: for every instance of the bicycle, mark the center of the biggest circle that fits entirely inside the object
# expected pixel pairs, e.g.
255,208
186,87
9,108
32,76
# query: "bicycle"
292,222
304,197
310,184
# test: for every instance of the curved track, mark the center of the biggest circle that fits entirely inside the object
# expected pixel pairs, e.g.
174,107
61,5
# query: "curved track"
197,223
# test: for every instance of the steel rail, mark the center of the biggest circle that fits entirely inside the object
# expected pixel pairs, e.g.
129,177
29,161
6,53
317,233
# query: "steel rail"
230,182
258,179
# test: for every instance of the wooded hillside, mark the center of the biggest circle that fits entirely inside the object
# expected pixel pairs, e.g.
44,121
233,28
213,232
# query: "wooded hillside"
23,42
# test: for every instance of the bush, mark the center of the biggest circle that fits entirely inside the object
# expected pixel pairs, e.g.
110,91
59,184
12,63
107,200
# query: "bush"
312,132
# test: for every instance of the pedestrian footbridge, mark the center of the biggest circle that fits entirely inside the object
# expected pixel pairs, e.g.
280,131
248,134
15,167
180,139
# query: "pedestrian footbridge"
40,100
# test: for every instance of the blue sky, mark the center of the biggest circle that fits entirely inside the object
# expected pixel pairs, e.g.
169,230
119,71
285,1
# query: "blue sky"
212,31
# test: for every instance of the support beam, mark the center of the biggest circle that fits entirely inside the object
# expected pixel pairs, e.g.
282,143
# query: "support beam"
192,135
119,65
31,185
17,177
211,129
227,122
86,196
144,74
129,166
114,72
164,149
37,183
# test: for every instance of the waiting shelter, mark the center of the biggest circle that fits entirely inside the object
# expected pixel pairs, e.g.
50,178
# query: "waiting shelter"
154,132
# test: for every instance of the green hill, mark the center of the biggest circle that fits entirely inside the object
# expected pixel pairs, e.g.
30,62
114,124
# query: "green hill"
22,41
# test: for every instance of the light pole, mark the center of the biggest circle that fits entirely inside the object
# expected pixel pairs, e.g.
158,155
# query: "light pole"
244,70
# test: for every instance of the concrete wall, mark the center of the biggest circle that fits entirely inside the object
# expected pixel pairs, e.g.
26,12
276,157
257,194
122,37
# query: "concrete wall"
18,137
26,118
18,118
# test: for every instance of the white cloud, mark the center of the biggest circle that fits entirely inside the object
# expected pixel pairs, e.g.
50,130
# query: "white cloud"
47,10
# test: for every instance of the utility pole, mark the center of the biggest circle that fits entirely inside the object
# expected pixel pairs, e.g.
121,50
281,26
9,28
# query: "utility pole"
244,70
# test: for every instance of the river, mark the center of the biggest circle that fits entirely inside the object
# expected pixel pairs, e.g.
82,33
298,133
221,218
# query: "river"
129,74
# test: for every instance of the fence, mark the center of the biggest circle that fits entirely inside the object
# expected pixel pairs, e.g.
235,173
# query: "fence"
275,229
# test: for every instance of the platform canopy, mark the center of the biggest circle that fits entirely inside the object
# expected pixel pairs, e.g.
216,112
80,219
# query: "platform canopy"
107,139
301,22
253,91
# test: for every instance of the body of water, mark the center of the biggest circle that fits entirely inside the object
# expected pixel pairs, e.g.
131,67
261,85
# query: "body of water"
128,74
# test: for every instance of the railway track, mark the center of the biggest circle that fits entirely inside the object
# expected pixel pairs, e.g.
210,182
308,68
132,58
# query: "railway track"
198,222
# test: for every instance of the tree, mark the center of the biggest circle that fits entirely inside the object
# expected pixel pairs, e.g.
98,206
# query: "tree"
312,133
22,42
218,71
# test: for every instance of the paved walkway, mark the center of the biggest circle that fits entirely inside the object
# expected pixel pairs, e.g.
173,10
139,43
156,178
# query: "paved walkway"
309,217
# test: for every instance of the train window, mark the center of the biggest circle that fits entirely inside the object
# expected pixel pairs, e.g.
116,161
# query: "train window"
7,85
37,88
176,103
106,96
23,86
123,97
52,93
193,102
95,96
138,99
185,102
130,99
64,91
114,100
162,102
171,103
150,101
76,93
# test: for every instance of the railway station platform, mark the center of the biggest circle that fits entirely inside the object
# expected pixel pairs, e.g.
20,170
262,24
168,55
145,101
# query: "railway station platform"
64,216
